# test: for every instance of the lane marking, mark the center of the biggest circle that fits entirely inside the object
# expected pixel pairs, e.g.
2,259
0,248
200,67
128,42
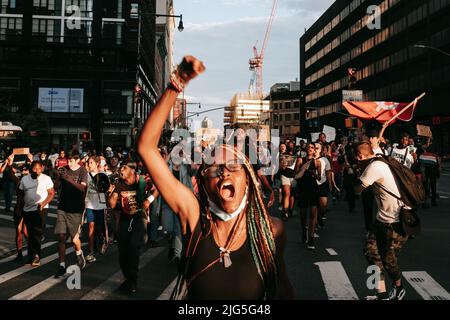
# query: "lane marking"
23,269
426,286
165,295
332,252
337,284
25,252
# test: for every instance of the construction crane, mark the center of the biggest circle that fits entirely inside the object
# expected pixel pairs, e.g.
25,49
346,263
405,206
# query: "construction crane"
256,63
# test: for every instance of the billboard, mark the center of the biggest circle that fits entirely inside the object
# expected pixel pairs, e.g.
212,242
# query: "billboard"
61,99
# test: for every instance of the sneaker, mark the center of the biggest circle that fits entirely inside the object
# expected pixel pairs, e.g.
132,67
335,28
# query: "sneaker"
316,235
81,261
90,258
310,245
36,261
397,293
61,271
132,289
376,297
160,228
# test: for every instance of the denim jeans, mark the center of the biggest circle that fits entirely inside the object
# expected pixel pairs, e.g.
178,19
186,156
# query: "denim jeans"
171,224
155,209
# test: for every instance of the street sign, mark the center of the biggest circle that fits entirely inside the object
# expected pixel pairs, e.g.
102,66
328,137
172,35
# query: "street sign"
352,95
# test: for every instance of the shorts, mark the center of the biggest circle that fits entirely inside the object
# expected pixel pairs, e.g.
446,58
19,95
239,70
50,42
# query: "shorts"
68,223
285,181
96,216
323,190
307,197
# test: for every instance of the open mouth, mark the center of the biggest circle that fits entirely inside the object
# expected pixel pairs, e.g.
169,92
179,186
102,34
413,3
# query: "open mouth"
226,191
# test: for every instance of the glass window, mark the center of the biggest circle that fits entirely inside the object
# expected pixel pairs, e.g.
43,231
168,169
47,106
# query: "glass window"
287,117
287,105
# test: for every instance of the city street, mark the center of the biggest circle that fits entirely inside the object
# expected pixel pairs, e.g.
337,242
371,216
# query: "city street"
335,270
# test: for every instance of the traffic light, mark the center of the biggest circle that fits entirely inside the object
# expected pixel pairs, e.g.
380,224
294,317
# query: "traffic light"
137,93
85,136
351,77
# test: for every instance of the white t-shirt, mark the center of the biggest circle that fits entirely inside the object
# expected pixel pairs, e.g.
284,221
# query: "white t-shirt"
378,151
94,200
403,156
325,166
35,190
388,206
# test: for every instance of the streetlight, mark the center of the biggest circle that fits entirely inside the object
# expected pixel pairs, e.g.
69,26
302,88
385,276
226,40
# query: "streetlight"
432,48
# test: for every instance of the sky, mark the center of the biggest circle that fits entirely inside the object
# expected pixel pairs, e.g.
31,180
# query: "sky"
222,34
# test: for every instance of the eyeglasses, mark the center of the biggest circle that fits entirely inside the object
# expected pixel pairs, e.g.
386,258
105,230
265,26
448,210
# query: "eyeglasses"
217,170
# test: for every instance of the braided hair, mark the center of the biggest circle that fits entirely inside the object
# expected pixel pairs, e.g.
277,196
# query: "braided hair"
259,226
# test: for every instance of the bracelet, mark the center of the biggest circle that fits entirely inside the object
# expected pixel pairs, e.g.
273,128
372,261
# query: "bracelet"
176,82
151,198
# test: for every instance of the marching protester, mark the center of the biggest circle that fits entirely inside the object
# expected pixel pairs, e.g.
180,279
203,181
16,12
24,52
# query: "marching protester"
9,180
401,152
386,237
367,195
95,210
132,196
307,175
61,161
36,192
325,182
19,224
430,161
72,184
234,249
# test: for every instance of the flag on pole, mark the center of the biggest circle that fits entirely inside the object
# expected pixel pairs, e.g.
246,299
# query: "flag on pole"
381,111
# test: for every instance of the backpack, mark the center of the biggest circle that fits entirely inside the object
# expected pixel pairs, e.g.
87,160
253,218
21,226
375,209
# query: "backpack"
412,192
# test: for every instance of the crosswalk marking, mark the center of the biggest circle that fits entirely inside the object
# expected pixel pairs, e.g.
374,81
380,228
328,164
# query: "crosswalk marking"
21,270
25,252
41,287
426,286
337,284
332,252
107,287
165,295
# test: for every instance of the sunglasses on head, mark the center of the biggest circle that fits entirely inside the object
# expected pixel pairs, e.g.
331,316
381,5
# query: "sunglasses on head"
217,169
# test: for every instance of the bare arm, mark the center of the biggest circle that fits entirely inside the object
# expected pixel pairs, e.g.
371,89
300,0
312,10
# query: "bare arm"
51,194
268,188
179,198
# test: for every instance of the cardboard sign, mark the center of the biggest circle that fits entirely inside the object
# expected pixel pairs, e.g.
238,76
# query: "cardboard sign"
330,132
315,136
21,150
424,131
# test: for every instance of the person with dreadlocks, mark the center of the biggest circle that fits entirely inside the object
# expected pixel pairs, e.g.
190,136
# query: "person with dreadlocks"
232,248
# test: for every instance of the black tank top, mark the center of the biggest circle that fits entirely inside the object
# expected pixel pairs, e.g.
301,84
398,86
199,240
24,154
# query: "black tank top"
240,281
308,178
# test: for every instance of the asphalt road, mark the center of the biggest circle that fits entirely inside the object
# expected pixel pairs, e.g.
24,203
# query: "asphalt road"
335,270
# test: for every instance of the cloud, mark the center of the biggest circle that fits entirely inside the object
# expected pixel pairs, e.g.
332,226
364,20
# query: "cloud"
225,45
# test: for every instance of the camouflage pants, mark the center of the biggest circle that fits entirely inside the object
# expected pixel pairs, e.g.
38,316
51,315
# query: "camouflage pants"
383,245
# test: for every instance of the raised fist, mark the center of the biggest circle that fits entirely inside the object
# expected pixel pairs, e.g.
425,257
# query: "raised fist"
189,68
